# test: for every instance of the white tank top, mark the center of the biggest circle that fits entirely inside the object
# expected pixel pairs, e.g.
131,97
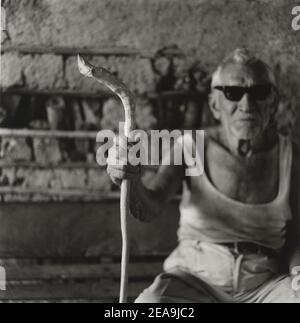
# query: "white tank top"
209,215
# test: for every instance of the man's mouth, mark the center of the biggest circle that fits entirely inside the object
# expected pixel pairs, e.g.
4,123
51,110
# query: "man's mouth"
247,119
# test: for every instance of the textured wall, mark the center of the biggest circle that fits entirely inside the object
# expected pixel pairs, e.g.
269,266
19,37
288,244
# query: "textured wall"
202,31
206,29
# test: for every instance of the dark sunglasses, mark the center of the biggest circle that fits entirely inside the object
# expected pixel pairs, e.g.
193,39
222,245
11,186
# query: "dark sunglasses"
236,93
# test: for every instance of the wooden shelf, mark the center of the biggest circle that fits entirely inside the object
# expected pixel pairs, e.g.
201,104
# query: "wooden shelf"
23,133
67,165
61,50
58,92
64,193
90,51
92,95
80,192
34,165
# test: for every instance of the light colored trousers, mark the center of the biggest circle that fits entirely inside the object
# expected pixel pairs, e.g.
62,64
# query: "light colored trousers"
200,272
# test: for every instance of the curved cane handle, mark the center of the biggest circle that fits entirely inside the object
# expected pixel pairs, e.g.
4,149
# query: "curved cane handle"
105,78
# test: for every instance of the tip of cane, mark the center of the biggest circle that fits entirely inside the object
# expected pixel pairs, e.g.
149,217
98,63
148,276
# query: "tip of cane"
85,68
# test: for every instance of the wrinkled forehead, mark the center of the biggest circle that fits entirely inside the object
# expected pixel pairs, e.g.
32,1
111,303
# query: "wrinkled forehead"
235,74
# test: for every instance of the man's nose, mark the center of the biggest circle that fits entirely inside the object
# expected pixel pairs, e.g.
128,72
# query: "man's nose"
246,104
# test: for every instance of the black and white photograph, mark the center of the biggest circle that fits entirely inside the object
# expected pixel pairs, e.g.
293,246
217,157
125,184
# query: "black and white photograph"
150,154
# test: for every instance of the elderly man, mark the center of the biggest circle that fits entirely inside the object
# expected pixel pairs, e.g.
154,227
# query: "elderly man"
236,243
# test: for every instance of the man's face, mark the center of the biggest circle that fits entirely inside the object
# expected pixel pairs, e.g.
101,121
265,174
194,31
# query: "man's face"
247,118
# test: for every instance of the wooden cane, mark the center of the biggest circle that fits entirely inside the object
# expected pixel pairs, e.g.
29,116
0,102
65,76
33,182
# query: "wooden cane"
105,78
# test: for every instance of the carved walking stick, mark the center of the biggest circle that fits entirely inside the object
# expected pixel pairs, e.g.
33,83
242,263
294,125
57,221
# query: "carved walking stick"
115,85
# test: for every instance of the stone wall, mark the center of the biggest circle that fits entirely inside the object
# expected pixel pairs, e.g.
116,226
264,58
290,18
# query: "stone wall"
153,45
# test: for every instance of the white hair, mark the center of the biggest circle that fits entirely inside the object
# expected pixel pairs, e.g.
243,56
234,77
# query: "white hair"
244,57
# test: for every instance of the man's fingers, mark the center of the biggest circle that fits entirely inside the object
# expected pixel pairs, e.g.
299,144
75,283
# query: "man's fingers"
117,161
124,142
115,176
125,168
114,161
119,174
119,151
122,164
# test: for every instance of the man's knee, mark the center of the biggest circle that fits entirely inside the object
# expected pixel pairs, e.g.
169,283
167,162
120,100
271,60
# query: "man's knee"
154,293
168,288
148,297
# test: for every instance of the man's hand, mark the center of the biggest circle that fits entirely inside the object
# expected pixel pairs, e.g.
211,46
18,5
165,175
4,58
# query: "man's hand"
118,164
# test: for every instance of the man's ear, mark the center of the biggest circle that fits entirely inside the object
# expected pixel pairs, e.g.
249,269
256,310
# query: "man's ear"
213,106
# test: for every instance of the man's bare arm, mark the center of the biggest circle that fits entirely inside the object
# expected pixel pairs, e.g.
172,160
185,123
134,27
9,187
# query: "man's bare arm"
148,201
